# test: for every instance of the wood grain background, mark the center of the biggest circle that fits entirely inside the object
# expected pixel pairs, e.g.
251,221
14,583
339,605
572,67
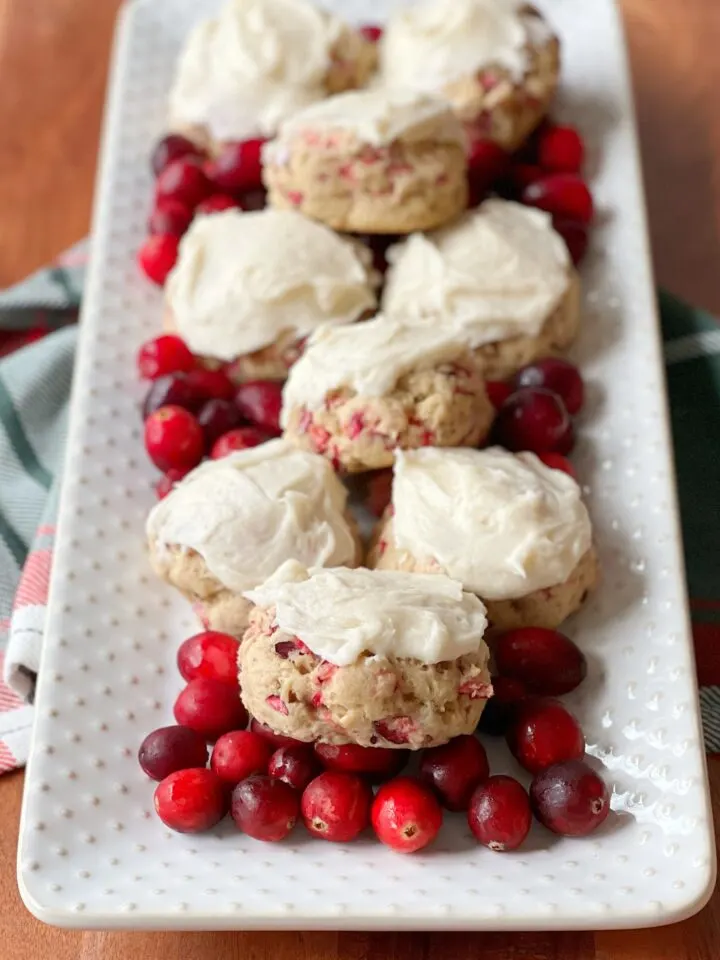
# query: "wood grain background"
53,66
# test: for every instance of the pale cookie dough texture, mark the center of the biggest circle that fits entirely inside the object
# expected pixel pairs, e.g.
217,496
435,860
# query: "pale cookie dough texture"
496,61
510,529
360,393
500,278
374,161
232,522
257,63
368,657
252,285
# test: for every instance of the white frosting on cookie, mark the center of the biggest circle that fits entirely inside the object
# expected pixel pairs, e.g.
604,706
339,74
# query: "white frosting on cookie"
259,61
503,524
499,272
249,512
242,279
342,614
368,358
433,43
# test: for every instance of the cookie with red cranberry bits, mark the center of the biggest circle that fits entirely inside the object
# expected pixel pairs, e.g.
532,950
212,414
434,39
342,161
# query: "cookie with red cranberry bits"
257,63
370,657
497,63
360,393
512,530
373,161
232,522
249,287
500,277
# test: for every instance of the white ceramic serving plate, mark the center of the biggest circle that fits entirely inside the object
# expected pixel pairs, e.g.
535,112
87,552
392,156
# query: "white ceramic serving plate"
93,854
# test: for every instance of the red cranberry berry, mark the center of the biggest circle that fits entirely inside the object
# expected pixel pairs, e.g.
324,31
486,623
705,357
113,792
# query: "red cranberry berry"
169,217
216,203
210,707
170,148
239,754
162,355
454,770
184,181
377,763
556,461
210,384
570,799
546,661
190,801
543,733
238,167
168,749
166,483
277,740
265,808
216,418
501,708
561,149
296,765
260,402
406,815
157,256
211,655
487,162
534,419
523,174
558,375
336,806
173,438
173,390
575,235
563,195
240,439
499,814
498,391
371,32
379,491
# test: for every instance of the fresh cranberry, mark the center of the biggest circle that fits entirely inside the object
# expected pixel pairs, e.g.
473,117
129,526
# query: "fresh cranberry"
210,384
239,754
190,801
211,655
183,180
210,707
576,237
563,195
558,375
570,798
379,491
265,808
501,708
174,390
534,419
170,148
277,740
498,391
238,167
241,439
163,355
336,806
406,815
260,402
561,149
251,200
169,217
546,661
487,162
544,732
371,32
523,174
454,770
168,481
216,203
216,418
157,256
296,765
173,438
377,763
499,814
556,461
168,749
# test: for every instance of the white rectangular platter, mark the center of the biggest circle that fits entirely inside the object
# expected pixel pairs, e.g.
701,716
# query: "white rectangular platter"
92,853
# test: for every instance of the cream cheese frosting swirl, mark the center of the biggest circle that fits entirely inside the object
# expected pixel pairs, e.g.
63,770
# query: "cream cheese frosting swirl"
499,272
343,614
503,524
249,512
259,61
243,279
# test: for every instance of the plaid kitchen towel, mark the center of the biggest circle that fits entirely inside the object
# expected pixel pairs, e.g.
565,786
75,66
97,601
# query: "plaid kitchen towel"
34,387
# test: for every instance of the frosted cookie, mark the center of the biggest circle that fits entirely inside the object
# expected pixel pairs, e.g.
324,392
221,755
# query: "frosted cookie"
257,63
500,278
232,522
369,657
375,161
360,393
510,529
496,61
251,285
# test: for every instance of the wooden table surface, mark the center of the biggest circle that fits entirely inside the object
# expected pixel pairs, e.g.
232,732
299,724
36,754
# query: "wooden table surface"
53,64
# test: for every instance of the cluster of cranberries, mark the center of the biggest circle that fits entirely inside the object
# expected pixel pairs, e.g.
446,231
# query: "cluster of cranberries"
268,781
